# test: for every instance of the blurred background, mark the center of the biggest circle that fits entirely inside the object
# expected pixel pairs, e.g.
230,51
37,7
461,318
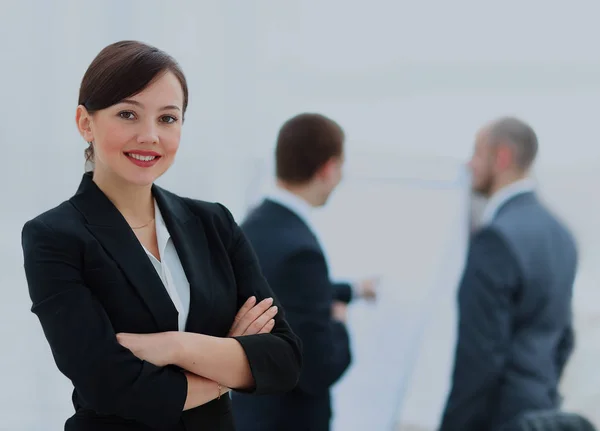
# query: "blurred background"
410,82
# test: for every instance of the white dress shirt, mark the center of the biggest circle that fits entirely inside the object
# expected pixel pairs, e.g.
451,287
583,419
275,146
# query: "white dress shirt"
502,196
169,269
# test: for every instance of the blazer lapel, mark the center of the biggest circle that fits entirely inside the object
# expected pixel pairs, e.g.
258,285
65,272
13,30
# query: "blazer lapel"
189,238
111,229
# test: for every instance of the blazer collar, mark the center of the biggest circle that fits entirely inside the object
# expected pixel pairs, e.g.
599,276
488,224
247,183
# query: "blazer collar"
505,195
294,203
110,228
290,216
98,210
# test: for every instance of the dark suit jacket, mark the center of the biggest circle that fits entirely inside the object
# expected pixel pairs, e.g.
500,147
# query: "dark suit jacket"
343,292
90,278
294,265
550,420
515,332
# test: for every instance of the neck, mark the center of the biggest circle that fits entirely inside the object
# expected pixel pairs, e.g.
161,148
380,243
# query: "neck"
304,192
506,180
134,202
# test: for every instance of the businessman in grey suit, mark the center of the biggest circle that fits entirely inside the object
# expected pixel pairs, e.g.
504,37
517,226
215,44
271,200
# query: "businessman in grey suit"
515,325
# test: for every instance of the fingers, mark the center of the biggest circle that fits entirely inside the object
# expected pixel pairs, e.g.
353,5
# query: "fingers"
261,321
253,314
250,302
128,341
246,307
124,338
268,327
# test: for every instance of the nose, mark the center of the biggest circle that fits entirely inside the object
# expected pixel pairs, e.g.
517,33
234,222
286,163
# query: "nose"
148,133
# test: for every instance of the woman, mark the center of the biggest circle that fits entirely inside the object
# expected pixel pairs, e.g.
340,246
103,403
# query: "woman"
153,304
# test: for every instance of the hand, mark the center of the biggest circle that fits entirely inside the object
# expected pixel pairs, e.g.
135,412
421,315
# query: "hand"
159,349
339,311
254,318
367,289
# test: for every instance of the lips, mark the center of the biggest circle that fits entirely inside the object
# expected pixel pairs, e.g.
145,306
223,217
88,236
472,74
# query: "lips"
143,159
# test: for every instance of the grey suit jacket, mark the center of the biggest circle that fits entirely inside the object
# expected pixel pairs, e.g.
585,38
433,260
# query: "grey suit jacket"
515,322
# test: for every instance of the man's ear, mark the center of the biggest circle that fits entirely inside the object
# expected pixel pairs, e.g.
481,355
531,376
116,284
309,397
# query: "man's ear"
504,156
326,170
84,123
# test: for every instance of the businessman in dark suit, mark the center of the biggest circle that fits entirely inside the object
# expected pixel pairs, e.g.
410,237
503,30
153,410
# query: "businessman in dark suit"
515,324
309,158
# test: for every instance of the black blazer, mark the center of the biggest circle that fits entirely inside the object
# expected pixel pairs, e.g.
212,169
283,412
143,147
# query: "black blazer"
294,265
515,330
550,420
343,292
90,278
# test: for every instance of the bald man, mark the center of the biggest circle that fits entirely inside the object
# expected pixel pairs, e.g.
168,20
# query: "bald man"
514,332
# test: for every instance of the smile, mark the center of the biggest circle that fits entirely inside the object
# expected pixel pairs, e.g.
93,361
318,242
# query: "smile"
140,157
143,160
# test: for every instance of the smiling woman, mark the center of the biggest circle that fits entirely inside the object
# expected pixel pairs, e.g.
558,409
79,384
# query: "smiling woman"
153,304
137,99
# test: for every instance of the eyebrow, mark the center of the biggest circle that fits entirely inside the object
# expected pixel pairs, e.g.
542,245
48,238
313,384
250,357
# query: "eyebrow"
135,102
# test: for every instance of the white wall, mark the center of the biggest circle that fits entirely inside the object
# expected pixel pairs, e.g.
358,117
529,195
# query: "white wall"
403,78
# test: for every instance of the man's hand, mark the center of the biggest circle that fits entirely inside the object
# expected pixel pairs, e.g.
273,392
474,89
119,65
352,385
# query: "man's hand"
254,318
339,311
367,289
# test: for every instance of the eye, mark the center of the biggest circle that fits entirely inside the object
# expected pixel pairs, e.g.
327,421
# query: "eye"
127,115
169,119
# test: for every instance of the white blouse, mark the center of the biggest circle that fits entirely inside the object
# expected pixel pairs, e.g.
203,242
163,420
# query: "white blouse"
170,270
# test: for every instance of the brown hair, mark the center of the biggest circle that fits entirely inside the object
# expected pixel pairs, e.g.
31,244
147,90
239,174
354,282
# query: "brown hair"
123,69
305,144
520,135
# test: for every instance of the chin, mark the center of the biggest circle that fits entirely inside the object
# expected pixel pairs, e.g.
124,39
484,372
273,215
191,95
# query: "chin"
323,202
143,175
141,179
482,191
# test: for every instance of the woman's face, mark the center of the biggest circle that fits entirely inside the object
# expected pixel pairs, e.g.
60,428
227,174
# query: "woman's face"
136,140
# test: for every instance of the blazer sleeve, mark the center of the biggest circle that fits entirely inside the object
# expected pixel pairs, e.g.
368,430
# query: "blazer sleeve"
275,359
565,348
308,300
567,342
485,319
107,377
343,292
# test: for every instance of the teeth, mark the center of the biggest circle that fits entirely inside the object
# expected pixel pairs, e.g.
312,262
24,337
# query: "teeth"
142,158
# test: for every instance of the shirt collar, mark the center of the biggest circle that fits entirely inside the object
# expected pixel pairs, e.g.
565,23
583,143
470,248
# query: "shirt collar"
162,233
503,195
292,202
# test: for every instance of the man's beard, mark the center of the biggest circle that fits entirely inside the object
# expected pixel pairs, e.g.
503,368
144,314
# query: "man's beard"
485,188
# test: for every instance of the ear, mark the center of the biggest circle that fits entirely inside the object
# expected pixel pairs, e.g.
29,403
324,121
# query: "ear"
84,123
327,169
504,156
